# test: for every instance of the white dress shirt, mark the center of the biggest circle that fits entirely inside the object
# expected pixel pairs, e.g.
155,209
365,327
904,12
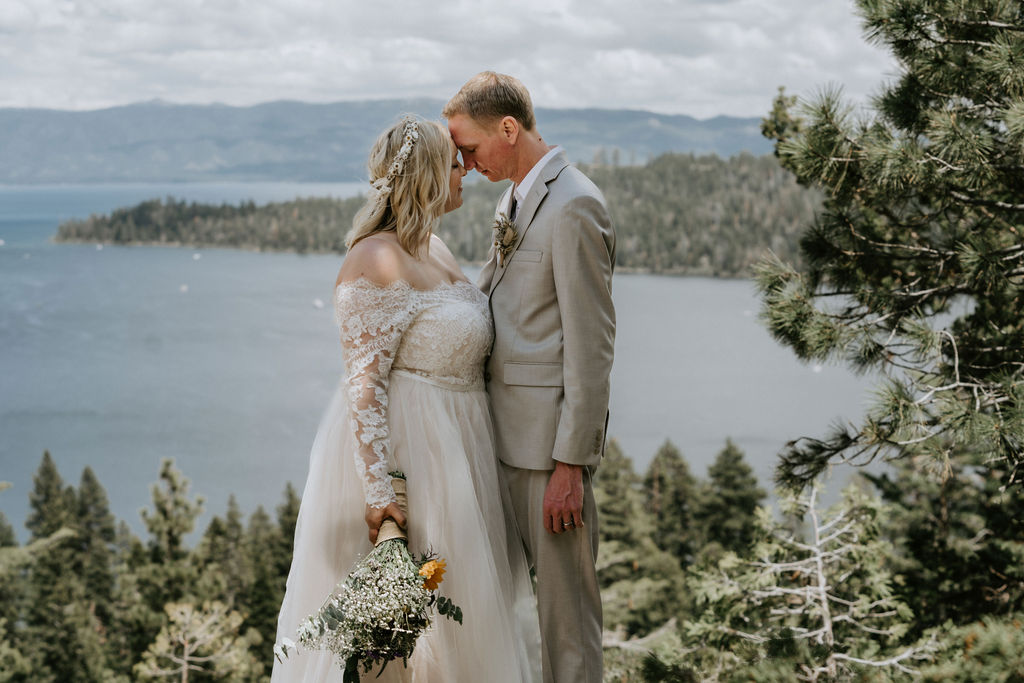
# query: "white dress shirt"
523,188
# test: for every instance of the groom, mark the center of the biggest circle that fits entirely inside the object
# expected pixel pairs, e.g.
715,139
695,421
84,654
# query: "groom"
549,284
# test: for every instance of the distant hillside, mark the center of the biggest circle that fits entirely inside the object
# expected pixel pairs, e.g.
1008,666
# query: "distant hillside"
678,214
161,142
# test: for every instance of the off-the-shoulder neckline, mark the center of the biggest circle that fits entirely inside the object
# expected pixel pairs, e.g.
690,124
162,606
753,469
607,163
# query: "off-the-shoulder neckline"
363,281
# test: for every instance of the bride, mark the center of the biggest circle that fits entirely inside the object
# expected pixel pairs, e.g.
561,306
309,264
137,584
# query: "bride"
414,335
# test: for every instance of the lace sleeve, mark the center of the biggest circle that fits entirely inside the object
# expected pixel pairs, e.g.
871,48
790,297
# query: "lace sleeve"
371,319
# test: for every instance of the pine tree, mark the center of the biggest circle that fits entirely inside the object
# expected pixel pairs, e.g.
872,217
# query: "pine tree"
263,600
225,573
199,641
820,608
173,515
671,498
618,497
727,514
161,572
7,537
958,541
94,527
14,666
61,625
915,268
18,659
133,622
9,589
641,584
51,507
287,517
987,650
52,504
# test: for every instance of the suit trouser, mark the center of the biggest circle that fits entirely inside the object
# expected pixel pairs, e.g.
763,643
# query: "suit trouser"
568,597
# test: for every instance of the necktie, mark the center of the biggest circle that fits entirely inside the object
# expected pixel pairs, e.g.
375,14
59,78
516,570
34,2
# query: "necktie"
513,208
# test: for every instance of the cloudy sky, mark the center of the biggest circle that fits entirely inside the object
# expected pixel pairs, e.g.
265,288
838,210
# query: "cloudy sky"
696,57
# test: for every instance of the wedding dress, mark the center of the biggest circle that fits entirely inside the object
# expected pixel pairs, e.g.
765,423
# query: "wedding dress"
413,399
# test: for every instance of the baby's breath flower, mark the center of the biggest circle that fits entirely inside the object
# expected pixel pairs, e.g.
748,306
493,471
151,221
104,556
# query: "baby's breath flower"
376,614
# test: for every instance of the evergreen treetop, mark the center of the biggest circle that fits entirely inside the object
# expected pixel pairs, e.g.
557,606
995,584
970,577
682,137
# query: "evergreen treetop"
915,267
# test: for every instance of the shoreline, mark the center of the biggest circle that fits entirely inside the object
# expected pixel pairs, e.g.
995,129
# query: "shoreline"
624,270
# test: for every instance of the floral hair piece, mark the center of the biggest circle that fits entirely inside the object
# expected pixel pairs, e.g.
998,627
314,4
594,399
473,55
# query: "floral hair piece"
382,186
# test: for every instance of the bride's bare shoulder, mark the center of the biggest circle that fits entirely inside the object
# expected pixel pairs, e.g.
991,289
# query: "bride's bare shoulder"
377,258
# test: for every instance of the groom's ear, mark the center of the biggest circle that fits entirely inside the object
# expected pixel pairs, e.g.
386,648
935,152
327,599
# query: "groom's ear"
509,129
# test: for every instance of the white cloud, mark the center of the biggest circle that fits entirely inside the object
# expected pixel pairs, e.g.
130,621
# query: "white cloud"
698,57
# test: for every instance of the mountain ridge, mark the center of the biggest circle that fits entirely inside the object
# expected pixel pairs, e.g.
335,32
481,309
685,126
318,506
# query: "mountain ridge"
288,140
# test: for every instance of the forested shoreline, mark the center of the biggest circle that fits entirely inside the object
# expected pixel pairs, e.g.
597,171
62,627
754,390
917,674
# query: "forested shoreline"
679,214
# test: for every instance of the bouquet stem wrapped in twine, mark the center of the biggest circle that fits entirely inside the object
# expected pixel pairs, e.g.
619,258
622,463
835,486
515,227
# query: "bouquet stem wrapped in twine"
389,528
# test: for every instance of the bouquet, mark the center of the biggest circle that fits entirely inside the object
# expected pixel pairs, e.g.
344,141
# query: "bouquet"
379,610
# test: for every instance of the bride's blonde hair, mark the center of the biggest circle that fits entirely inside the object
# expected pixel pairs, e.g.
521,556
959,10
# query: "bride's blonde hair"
411,198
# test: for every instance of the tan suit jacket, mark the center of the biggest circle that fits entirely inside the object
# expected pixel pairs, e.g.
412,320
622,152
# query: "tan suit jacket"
548,372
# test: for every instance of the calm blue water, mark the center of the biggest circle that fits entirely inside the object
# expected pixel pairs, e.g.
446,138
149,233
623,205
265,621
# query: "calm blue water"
224,360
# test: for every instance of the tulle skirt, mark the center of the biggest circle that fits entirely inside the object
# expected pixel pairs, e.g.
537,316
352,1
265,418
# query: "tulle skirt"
441,437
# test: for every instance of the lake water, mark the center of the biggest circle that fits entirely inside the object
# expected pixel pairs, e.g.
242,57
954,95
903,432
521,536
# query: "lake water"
116,357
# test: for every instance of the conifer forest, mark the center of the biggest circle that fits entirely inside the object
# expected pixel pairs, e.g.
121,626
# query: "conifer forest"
678,214
888,239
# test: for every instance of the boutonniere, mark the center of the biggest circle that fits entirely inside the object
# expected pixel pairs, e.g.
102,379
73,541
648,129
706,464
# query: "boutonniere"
504,237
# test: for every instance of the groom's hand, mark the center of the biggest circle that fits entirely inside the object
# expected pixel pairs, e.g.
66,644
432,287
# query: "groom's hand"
376,516
563,499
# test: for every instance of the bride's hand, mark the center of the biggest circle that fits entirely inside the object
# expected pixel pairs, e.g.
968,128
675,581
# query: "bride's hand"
376,516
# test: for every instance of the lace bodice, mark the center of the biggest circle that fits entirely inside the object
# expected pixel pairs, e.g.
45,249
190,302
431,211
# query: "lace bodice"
441,335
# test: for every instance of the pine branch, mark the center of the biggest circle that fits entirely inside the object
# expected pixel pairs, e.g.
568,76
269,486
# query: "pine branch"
918,653
987,202
610,639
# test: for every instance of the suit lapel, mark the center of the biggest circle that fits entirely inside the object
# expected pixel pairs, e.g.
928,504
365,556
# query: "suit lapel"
524,219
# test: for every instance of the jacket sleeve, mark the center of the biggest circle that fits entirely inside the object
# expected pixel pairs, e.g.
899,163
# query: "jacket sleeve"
583,258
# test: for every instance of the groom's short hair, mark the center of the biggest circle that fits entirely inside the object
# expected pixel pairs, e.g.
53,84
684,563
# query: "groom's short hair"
490,96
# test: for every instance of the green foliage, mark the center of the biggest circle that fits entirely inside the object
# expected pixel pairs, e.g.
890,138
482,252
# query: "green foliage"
991,649
915,268
642,585
678,214
221,558
91,602
52,504
58,627
287,517
958,539
94,537
14,666
728,506
447,608
750,616
657,671
618,497
160,572
200,639
173,515
17,661
302,225
780,124
262,597
820,608
671,493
